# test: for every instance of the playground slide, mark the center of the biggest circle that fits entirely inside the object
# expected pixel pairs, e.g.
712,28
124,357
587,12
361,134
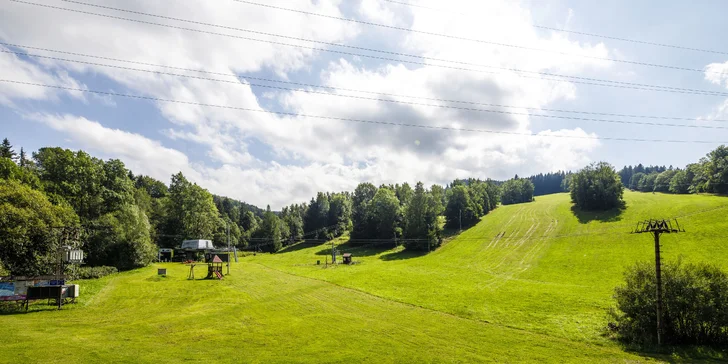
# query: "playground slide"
219,276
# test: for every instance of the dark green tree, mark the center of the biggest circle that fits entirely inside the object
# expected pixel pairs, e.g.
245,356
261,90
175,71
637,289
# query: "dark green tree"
716,169
597,187
387,214
460,208
421,221
404,193
679,182
635,180
28,229
362,212
517,190
121,239
11,171
662,181
339,219
6,150
647,183
270,232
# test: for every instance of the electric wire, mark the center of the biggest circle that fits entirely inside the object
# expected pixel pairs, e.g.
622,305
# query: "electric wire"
243,77
242,82
450,36
637,41
359,120
517,72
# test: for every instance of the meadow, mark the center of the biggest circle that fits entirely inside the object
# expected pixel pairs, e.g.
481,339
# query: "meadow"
529,282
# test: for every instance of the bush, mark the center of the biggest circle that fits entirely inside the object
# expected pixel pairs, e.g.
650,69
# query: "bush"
597,187
695,305
93,272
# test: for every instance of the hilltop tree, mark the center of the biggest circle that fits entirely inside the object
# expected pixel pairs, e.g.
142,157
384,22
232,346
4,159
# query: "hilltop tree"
121,239
679,182
404,193
516,190
647,183
249,223
716,168
597,187
339,219
270,232
386,214
191,211
634,181
421,220
6,150
11,171
23,159
362,213
662,181
438,196
460,206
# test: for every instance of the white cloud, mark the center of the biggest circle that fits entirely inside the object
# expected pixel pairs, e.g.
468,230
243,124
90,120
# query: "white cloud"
19,70
316,154
717,73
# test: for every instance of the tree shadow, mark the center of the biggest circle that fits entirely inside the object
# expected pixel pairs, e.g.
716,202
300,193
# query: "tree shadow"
301,245
403,254
611,215
359,249
679,354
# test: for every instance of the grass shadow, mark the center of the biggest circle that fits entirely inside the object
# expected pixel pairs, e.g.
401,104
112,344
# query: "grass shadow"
611,215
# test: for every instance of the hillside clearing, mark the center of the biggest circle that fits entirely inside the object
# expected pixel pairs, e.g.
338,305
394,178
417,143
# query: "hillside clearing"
530,282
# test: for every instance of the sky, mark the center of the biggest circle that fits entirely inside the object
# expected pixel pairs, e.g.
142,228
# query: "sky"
270,101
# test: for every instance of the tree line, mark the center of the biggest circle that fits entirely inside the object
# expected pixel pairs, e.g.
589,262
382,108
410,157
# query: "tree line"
126,217
708,175
545,184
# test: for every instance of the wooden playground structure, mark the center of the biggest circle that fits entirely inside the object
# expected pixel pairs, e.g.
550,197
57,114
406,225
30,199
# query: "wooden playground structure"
214,266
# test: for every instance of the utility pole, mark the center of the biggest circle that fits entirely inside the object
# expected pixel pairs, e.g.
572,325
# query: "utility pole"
657,228
460,218
227,225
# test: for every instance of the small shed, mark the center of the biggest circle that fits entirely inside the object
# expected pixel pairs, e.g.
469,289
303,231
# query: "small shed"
165,255
347,258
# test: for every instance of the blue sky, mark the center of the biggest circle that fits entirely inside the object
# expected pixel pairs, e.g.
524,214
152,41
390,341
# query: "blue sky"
265,158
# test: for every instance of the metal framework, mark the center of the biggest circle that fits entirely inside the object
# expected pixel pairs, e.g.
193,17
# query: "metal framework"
657,228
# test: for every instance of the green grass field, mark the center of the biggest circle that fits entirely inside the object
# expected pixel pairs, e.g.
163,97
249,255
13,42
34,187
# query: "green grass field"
538,293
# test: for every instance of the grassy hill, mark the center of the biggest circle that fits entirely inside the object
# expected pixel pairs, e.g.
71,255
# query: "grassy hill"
529,282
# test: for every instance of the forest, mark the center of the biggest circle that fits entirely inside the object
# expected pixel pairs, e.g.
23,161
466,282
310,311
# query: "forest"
708,175
126,217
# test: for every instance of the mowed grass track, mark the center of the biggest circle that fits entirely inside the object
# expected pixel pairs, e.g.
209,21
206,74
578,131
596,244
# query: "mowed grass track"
262,315
536,266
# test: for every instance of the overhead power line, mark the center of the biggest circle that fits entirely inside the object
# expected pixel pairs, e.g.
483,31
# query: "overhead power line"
637,41
377,122
242,82
517,72
450,36
378,93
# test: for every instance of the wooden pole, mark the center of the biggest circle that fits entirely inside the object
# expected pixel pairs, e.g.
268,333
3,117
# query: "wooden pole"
658,275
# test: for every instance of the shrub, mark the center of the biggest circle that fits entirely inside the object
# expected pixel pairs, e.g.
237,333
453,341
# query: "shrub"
695,305
93,272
